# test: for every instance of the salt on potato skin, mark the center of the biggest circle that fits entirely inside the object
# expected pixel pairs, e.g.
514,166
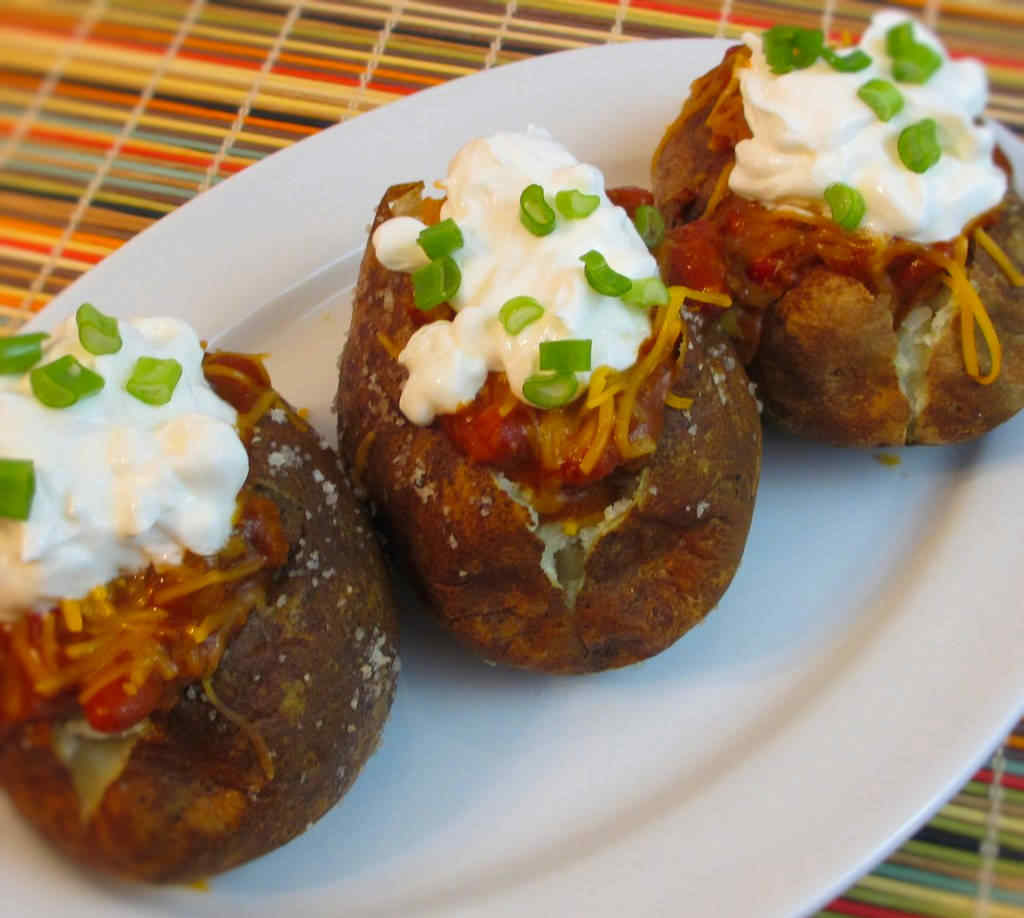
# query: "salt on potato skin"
193,799
490,570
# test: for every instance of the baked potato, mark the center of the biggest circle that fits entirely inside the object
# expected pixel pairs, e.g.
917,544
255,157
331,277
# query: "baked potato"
853,337
587,573
282,662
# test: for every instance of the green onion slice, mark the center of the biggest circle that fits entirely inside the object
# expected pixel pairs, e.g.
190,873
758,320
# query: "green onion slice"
884,99
153,380
918,145
97,332
601,277
534,212
435,283
17,488
570,355
646,291
440,239
847,63
519,312
63,382
847,205
546,391
650,225
918,65
575,205
21,352
900,39
789,48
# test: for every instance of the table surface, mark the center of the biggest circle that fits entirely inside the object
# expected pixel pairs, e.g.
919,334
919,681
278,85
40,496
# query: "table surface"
115,112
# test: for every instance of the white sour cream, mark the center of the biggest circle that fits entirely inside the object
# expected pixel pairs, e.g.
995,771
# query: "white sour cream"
119,484
811,130
448,361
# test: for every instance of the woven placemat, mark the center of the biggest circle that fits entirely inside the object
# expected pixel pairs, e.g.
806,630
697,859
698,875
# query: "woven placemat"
115,112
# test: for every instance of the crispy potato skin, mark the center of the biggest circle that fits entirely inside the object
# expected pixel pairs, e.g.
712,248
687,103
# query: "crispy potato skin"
822,351
472,550
313,670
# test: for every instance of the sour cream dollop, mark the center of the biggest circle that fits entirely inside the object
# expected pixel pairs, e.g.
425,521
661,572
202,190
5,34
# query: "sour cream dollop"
810,130
120,483
448,361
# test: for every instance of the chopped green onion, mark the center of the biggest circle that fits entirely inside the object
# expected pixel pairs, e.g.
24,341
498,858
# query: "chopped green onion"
550,391
575,205
650,225
900,39
884,99
436,283
789,48
440,239
646,291
17,488
534,212
519,312
97,332
918,65
847,63
912,61
847,205
153,380
63,382
601,277
570,355
21,352
918,145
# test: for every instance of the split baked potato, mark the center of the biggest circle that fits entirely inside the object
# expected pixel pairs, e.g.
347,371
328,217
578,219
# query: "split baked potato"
625,565
852,339
286,699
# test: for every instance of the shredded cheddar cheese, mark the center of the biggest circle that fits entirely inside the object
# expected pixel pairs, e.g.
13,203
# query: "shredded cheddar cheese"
385,341
1013,275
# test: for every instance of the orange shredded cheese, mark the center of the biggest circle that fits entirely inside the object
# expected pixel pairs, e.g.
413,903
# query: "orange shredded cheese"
255,737
678,402
1013,275
720,189
702,296
972,311
393,349
362,454
194,584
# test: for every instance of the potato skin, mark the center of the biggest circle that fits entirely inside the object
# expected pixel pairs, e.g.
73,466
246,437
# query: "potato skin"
473,551
313,670
822,350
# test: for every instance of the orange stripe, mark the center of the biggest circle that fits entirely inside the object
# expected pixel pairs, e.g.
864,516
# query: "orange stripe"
67,252
130,148
108,241
328,63
344,81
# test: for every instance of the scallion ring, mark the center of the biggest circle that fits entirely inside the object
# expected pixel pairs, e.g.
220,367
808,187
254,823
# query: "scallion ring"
153,380
435,283
847,205
63,382
98,332
917,66
570,355
601,277
575,205
884,99
650,225
918,145
550,391
17,488
646,291
519,312
21,352
534,211
440,239
789,48
847,63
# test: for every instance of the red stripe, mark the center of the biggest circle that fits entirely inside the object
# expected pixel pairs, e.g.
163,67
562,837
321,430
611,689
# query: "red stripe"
45,249
321,77
709,15
863,910
1014,781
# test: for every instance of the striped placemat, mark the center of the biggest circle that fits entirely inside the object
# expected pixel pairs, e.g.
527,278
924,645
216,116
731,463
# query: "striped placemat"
115,112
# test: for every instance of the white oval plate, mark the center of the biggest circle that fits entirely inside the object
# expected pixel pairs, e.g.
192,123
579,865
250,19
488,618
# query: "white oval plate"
865,660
